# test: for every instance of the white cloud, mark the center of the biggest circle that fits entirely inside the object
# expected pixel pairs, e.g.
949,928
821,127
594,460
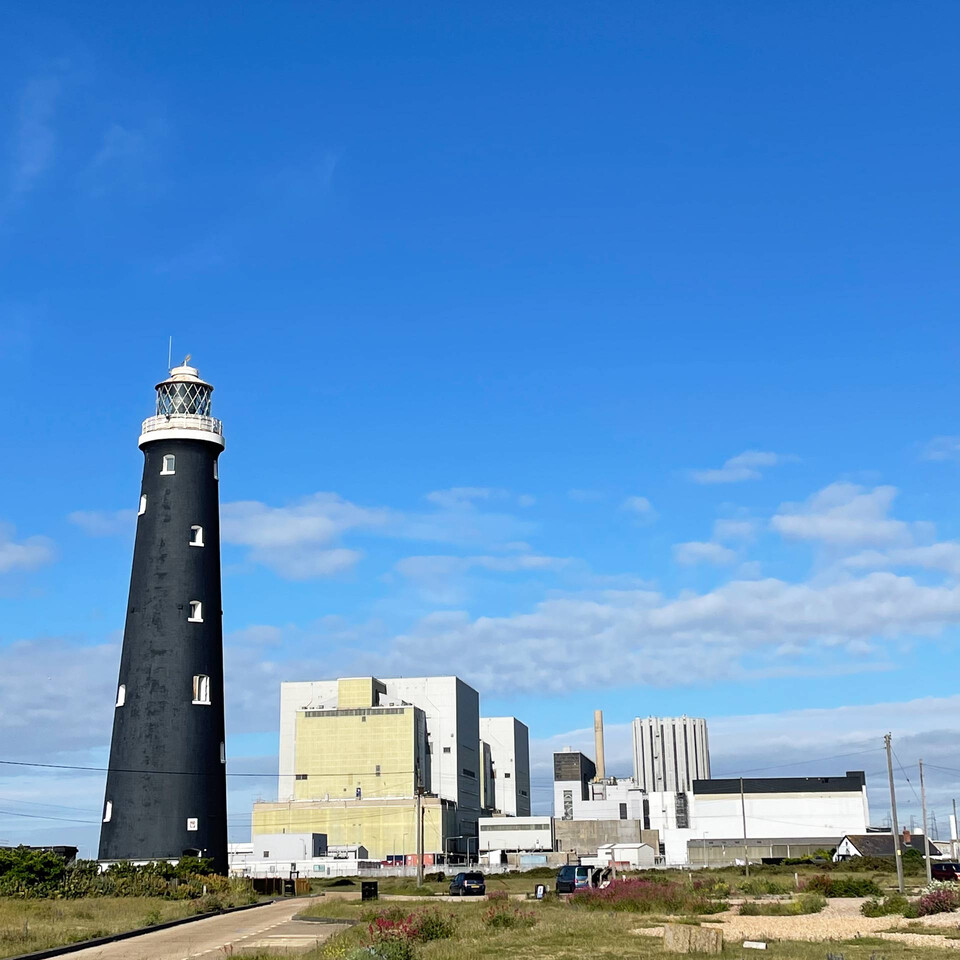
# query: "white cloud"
942,448
55,696
756,627
744,466
844,514
935,556
639,506
105,523
734,529
299,541
27,554
696,552
526,500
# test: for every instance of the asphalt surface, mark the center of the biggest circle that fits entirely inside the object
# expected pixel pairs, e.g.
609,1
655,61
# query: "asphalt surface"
265,928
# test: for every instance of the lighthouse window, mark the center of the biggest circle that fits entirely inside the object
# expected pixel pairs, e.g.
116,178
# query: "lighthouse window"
196,536
169,465
196,612
201,689
108,811
216,471
121,694
143,505
223,752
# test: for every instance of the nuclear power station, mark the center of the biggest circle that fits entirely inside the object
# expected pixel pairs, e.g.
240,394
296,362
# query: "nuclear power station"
166,784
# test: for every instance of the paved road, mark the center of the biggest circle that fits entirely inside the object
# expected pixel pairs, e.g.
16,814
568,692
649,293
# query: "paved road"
264,928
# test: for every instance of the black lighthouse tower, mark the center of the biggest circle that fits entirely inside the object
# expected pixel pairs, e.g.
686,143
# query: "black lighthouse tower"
166,786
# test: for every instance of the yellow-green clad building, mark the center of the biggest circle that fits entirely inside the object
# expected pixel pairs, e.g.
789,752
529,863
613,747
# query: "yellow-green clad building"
355,751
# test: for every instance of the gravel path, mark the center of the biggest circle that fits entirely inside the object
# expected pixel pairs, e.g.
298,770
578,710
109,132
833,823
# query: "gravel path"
839,920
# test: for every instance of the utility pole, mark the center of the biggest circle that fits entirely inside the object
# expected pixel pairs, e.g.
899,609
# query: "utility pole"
419,827
743,814
953,832
926,836
898,853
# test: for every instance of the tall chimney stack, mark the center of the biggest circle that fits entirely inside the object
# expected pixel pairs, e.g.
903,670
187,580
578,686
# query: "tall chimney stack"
598,737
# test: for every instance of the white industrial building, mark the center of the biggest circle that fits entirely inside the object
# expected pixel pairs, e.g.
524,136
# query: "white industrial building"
516,834
669,753
509,772
288,855
785,816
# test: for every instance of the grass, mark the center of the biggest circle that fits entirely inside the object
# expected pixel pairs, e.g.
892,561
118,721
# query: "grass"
562,931
29,925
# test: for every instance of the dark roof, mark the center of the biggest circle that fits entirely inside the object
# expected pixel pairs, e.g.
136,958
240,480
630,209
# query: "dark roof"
853,782
881,844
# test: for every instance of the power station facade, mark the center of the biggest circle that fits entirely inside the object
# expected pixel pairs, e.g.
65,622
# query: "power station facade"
669,753
166,782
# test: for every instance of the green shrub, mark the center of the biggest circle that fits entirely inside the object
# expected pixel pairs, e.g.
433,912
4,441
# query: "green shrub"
885,906
843,886
805,903
30,873
763,887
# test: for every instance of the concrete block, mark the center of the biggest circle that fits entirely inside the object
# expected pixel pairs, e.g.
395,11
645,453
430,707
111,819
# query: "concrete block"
686,938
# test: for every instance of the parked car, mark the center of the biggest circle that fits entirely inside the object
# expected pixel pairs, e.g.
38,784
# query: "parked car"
465,884
570,879
945,870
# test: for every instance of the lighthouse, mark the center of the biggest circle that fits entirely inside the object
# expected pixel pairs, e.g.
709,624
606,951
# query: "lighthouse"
166,792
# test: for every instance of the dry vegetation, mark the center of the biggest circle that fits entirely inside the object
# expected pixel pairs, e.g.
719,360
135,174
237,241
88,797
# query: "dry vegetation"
29,925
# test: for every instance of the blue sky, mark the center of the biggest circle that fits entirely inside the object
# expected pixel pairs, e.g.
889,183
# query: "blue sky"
606,357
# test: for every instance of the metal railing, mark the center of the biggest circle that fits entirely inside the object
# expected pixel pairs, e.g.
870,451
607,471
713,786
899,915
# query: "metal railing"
183,422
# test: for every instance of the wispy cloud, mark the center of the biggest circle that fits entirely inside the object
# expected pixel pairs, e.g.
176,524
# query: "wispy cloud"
34,139
128,158
640,507
27,554
105,523
744,466
694,552
942,448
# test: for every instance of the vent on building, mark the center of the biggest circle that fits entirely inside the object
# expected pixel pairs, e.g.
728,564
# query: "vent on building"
683,812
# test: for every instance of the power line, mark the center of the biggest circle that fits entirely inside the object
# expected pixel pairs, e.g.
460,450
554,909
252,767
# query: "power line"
195,773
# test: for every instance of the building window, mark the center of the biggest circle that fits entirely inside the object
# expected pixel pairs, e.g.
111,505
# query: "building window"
169,465
223,752
196,612
108,811
446,749
143,505
623,811
121,694
201,689
683,814
193,823
468,773
567,804
300,776
196,535
378,770
523,793
506,776
216,471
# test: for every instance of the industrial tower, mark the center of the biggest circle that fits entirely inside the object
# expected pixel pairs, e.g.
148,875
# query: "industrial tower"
166,785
